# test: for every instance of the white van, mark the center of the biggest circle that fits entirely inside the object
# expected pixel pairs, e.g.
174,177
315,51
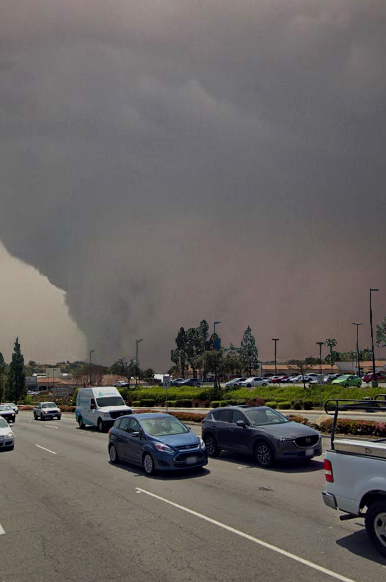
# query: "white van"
99,406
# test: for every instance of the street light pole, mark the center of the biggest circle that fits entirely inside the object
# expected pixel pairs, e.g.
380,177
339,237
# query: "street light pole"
358,353
320,344
136,360
91,351
374,382
275,340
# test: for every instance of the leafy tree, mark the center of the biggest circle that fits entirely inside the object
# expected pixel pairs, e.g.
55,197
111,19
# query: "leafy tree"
181,347
194,348
213,362
148,374
331,343
381,333
249,349
2,376
303,366
16,386
126,368
203,331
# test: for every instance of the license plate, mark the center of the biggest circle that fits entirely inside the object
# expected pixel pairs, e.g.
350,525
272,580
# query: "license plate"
191,460
309,452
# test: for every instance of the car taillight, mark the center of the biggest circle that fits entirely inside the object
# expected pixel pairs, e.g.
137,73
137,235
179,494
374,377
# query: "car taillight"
109,430
328,471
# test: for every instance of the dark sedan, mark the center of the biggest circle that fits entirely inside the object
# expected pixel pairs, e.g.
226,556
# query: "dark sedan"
7,412
259,431
155,442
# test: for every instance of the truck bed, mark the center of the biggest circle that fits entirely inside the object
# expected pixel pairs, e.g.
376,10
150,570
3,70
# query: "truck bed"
362,447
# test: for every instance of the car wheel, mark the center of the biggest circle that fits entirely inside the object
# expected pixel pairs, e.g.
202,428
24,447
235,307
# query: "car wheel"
345,385
375,521
80,422
211,445
249,385
35,417
113,454
263,454
148,464
101,427
41,417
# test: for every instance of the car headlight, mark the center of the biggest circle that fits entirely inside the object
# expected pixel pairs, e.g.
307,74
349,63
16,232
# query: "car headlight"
106,414
9,435
163,448
45,411
202,443
284,440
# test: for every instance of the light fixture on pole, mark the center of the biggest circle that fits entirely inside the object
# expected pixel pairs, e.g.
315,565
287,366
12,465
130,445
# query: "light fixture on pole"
320,344
275,339
374,382
358,352
91,351
136,360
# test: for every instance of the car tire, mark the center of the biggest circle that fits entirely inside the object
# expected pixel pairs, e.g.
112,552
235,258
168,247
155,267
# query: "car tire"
100,424
345,385
375,522
148,464
80,422
211,445
35,417
41,417
263,454
114,458
249,385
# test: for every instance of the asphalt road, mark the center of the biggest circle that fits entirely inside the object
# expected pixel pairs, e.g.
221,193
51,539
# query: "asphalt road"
68,514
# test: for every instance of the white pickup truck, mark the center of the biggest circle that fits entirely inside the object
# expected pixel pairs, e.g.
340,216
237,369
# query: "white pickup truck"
355,472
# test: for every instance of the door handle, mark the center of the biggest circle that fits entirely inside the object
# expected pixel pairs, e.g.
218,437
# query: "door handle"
231,430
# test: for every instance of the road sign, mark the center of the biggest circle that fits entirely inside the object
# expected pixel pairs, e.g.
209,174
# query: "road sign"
167,384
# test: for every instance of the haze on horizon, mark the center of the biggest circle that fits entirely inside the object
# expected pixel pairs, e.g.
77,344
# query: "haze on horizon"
166,162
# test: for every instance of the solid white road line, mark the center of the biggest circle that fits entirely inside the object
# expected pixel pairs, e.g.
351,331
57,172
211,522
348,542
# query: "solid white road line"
50,426
44,449
2,531
250,538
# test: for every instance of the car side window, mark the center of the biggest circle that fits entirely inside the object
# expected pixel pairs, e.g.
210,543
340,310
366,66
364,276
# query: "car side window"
133,425
225,415
237,415
124,424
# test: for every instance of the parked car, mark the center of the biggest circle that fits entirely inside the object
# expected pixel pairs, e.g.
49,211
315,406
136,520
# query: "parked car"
178,382
46,410
259,431
295,379
7,438
8,413
235,383
196,382
278,379
347,380
155,442
13,405
253,381
315,378
380,376
330,377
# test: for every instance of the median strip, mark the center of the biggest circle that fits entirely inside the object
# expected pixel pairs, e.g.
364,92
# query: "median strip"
44,449
250,538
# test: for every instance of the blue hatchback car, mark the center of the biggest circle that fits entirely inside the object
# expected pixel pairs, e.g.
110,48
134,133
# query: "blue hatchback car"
155,442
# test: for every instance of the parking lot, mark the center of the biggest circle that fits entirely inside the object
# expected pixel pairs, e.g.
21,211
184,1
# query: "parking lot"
66,513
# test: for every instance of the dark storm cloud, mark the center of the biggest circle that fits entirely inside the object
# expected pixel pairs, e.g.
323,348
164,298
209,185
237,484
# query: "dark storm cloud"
167,161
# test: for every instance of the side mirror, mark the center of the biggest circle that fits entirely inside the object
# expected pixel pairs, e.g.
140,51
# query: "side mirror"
241,423
92,406
136,434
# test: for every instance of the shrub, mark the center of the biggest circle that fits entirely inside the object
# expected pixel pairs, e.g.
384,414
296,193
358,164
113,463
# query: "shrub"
307,405
74,397
284,405
172,403
183,416
297,418
184,403
355,427
147,402
216,403
271,404
136,403
297,405
255,402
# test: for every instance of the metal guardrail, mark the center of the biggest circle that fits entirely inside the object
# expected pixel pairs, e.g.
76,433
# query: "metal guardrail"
366,405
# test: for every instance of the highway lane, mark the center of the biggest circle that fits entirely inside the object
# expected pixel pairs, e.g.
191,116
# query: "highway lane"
72,514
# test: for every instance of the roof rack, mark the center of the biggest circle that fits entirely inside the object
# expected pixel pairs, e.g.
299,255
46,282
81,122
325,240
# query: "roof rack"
377,404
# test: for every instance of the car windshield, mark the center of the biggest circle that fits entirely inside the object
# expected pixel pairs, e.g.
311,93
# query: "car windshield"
163,426
264,416
3,423
5,407
48,405
9,404
110,401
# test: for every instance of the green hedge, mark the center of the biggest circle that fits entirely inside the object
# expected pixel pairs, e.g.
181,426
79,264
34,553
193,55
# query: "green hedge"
158,393
284,405
146,402
184,403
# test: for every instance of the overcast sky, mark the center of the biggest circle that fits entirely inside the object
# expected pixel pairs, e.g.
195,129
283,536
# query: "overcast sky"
166,161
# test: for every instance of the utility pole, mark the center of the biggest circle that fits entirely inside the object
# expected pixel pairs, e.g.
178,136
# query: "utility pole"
275,340
374,382
358,352
136,360
91,351
320,344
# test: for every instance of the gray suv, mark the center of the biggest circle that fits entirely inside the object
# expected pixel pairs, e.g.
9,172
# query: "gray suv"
259,431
